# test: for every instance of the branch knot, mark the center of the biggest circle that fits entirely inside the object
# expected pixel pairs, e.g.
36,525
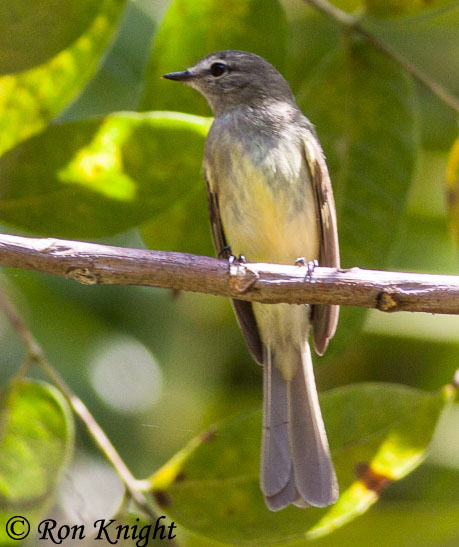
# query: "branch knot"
82,275
385,301
242,278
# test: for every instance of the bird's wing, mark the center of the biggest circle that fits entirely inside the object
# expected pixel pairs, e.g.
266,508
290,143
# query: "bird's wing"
243,309
324,318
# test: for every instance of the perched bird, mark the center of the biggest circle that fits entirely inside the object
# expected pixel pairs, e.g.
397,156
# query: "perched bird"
270,199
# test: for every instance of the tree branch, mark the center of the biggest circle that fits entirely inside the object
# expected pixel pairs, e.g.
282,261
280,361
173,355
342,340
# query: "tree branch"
36,354
352,23
89,263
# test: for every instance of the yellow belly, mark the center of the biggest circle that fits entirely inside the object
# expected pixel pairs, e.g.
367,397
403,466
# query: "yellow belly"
268,213
260,222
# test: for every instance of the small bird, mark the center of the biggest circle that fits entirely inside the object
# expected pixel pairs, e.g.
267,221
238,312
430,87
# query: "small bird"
271,200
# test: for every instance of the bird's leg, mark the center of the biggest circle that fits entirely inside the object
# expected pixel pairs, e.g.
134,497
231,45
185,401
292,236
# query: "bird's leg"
235,261
311,265
226,252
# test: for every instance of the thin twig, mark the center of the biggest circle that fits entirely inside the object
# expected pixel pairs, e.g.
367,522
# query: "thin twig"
353,23
36,354
91,264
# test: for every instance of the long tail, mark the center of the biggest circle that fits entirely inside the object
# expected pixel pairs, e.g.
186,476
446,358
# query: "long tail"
296,465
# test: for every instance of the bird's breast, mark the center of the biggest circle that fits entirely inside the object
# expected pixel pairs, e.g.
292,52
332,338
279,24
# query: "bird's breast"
266,198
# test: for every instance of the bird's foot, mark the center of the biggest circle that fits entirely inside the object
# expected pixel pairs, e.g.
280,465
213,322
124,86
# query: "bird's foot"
311,265
236,260
226,252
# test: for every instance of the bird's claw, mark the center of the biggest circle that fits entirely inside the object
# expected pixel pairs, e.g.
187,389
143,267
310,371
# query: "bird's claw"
311,265
301,261
235,262
225,252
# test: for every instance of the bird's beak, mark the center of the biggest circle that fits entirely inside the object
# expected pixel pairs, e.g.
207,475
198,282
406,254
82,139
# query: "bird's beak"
180,76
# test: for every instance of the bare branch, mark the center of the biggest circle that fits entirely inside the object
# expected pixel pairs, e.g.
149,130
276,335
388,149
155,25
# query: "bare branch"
89,263
353,23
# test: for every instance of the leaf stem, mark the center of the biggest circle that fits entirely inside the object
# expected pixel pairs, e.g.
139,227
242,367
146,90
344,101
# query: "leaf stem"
36,354
352,23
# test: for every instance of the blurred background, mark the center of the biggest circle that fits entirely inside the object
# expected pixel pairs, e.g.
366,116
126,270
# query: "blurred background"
157,368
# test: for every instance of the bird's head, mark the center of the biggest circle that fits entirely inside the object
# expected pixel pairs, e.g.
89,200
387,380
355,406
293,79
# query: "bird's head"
231,79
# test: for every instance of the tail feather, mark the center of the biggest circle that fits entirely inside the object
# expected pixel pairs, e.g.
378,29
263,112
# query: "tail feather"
284,497
276,462
312,465
296,465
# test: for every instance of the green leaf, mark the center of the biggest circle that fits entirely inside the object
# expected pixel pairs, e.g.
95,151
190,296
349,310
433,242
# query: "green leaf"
30,99
101,176
452,180
119,80
211,487
311,38
396,524
422,40
183,225
348,5
365,111
393,8
31,35
192,29
36,443
417,524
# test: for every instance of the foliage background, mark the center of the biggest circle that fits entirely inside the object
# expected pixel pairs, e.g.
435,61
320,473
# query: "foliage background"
156,370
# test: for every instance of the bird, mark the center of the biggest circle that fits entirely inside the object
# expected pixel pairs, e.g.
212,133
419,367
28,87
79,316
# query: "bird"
270,200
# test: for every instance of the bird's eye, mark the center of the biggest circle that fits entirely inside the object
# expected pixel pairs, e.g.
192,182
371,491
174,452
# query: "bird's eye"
217,69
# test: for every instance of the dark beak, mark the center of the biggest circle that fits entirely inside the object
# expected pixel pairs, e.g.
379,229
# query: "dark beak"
179,76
